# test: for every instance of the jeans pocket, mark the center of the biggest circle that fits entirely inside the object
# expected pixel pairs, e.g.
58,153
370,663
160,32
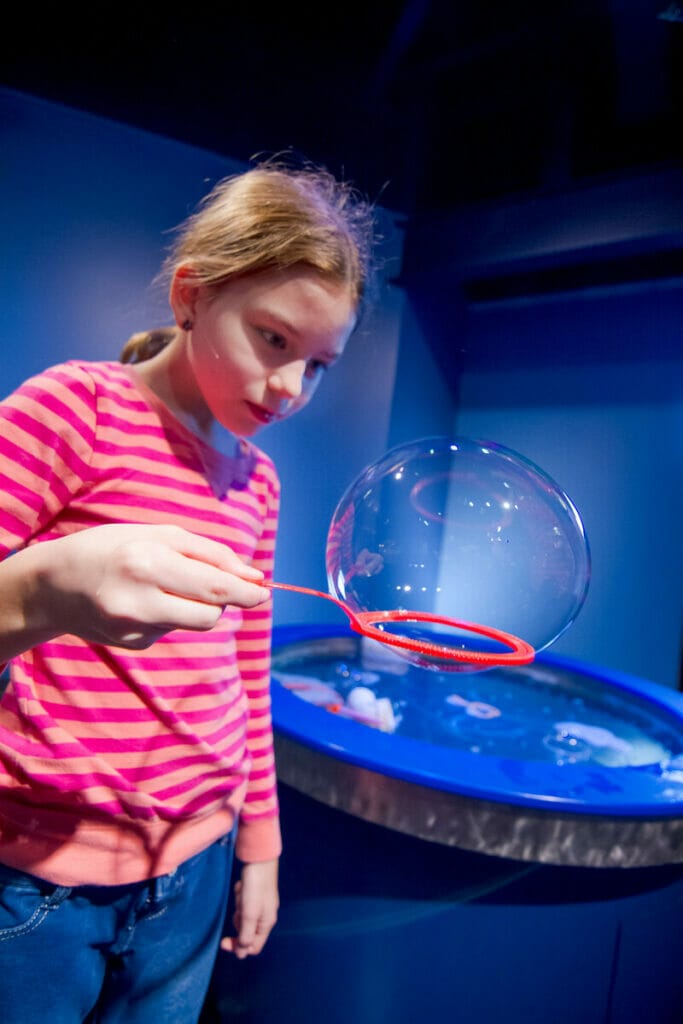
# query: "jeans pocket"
25,902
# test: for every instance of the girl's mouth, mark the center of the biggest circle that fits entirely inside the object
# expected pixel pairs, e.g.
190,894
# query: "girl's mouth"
259,413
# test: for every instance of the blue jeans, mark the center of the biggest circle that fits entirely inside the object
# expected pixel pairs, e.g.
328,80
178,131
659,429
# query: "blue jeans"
122,954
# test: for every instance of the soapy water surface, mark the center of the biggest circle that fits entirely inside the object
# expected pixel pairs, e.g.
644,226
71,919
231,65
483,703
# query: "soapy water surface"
534,713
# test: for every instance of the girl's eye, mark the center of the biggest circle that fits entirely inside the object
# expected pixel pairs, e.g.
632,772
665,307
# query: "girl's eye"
274,339
315,367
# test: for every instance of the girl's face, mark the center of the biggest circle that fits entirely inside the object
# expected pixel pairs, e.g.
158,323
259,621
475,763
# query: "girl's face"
260,344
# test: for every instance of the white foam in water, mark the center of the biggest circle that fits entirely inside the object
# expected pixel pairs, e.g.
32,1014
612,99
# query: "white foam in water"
596,736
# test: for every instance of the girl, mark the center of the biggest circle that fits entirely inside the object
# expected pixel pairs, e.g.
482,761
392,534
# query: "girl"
135,738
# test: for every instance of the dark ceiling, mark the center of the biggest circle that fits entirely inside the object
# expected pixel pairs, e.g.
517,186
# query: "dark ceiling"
424,104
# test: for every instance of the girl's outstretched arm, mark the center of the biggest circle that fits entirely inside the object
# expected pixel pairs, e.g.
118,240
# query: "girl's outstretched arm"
121,585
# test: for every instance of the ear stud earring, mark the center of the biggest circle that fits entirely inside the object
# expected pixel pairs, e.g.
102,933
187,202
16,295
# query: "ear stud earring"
187,325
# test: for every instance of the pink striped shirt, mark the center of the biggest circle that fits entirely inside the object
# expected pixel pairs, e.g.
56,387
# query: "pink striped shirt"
118,765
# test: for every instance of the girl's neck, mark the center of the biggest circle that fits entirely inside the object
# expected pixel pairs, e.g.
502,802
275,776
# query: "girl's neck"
169,375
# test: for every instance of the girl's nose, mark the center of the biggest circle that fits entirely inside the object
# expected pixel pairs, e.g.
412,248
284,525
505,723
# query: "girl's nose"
288,380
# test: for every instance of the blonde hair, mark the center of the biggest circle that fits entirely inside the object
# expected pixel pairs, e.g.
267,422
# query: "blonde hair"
271,217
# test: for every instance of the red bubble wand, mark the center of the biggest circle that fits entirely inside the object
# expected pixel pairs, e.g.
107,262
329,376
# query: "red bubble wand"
368,623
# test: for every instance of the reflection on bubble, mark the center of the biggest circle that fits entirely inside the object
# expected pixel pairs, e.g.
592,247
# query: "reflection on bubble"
465,529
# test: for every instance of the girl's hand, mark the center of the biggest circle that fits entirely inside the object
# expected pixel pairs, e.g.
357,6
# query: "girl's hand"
257,903
127,585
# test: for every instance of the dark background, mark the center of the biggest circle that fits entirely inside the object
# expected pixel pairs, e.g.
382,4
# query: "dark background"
424,105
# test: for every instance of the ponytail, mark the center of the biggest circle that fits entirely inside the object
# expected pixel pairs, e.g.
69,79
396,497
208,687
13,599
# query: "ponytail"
145,344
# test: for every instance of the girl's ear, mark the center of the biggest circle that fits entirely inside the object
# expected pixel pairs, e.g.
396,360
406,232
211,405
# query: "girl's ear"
183,294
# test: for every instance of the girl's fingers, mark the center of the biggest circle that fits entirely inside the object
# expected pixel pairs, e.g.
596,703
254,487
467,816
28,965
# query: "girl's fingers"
189,578
128,584
210,552
184,566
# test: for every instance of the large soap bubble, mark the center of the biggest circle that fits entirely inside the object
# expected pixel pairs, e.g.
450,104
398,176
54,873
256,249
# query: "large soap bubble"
465,529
